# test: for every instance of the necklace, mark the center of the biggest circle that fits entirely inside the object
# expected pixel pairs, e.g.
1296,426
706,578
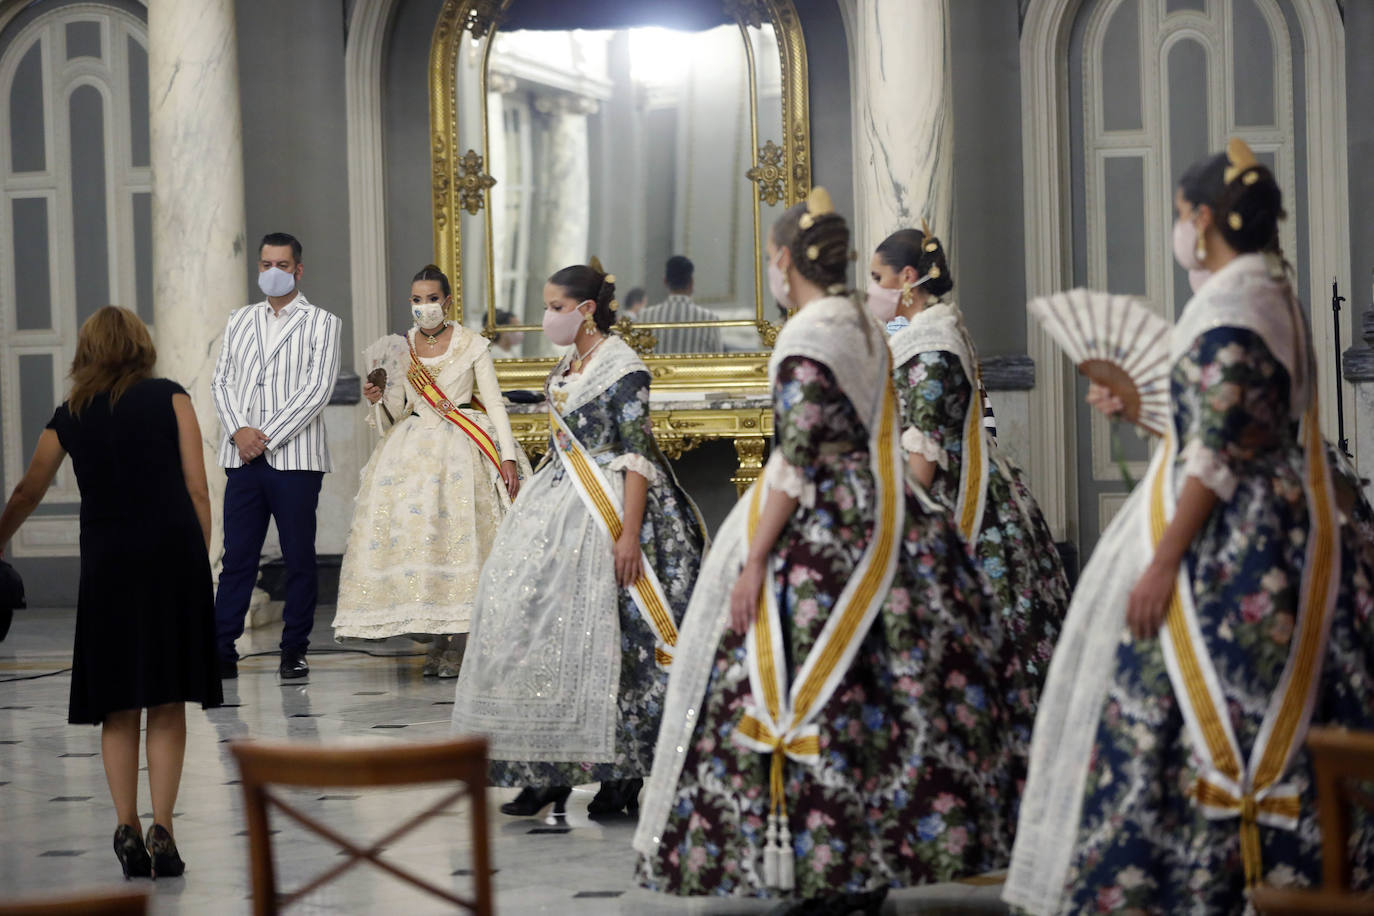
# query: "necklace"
432,339
580,359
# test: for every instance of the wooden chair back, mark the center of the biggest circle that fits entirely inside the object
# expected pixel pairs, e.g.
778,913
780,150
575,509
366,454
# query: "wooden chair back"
262,766
1340,759
100,903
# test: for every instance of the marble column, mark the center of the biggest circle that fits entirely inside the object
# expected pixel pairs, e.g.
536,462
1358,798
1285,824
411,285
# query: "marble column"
567,180
903,127
198,220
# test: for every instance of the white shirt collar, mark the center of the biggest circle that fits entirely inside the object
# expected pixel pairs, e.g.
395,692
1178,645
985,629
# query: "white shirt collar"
286,310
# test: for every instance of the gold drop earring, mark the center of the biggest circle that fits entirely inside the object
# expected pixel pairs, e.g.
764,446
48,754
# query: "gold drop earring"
1200,250
589,325
908,295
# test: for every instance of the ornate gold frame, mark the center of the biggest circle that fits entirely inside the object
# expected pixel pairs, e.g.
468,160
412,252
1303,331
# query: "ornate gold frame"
778,173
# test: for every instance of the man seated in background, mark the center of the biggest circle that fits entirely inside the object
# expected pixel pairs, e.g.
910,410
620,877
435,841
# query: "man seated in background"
679,307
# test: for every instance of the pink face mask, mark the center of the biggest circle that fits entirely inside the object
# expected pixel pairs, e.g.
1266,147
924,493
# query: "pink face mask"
1185,244
882,302
561,327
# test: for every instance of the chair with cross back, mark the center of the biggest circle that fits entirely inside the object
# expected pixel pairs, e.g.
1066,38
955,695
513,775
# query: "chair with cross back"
265,767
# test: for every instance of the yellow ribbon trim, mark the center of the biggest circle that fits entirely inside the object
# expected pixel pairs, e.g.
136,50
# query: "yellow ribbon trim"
1223,755
973,461
851,615
649,597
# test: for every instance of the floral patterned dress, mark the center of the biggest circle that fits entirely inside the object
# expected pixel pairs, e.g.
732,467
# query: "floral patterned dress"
913,743
1014,548
538,571
1142,844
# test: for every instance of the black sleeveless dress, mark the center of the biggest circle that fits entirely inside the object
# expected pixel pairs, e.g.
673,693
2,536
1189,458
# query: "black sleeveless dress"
145,612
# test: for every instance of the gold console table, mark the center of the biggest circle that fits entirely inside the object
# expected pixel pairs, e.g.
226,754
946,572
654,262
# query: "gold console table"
681,423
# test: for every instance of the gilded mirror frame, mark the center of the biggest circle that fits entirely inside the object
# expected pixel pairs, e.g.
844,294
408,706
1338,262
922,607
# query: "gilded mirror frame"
778,173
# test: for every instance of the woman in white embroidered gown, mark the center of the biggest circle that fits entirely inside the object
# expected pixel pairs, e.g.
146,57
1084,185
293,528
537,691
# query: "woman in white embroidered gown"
435,489
578,606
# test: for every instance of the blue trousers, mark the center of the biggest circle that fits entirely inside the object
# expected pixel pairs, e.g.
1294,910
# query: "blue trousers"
254,494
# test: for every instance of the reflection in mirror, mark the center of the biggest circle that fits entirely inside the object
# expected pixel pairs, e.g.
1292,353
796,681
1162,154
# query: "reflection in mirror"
632,145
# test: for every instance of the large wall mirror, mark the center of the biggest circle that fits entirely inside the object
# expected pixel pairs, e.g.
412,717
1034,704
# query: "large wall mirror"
563,129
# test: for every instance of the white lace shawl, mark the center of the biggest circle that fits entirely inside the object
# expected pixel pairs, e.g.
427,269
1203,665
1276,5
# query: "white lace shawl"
938,327
845,339
613,361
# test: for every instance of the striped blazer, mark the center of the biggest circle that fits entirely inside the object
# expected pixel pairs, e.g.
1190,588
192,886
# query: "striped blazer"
279,388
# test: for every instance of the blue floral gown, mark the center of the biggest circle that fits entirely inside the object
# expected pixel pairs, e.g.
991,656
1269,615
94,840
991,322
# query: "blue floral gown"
1142,844
534,567
1014,548
915,757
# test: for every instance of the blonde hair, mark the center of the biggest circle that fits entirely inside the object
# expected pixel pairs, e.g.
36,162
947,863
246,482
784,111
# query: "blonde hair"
113,352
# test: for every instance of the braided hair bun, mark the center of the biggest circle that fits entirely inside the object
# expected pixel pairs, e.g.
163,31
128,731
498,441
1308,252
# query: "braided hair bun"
1244,197
920,250
818,239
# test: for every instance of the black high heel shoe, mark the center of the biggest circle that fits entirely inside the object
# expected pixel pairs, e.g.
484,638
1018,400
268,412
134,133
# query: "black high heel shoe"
614,796
132,854
163,850
531,801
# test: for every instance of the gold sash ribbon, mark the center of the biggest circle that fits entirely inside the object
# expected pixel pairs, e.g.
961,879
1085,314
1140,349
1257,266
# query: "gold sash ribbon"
973,485
780,722
1223,790
428,386
605,508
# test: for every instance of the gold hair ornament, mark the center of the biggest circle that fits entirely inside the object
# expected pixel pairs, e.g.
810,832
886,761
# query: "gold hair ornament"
806,221
933,273
595,264
932,243
1234,221
609,278
1240,157
818,203
1250,178
812,252
615,305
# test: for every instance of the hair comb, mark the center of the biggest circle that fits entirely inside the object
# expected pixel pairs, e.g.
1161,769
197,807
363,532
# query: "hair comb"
1240,157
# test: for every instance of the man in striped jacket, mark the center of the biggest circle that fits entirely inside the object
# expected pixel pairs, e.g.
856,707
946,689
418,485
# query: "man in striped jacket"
275,374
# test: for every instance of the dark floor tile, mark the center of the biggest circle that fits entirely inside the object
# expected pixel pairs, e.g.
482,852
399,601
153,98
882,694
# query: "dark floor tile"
56,853
370,693
306,715
269,833
16,707
337,797
389,726
443,702
11,742
149,815
66,798
606,894
537,830
234,782
77,755
468,872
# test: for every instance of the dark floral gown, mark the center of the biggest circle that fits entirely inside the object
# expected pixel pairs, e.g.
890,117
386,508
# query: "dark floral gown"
1014,547
1142,845
915,762
616,429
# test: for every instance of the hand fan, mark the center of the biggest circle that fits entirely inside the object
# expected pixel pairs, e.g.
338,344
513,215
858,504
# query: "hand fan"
1118,342
391,354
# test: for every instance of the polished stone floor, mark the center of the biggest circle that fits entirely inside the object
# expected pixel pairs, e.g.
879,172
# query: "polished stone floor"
58,820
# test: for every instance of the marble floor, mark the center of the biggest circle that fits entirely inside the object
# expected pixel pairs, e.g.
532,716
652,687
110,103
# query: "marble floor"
58,820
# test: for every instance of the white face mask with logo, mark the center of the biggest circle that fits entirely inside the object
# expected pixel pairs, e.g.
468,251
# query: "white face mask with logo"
427,314
276,282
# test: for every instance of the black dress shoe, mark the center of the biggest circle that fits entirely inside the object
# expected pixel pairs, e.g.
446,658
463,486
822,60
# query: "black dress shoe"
293,665
531,801
615,796
162,849
228,669
133,855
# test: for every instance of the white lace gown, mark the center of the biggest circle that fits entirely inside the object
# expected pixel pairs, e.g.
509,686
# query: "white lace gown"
428,505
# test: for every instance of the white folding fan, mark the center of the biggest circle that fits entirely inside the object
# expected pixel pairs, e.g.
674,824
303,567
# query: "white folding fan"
1118,342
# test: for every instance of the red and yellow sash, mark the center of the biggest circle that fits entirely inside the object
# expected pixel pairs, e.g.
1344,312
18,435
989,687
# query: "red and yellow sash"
601,502
1224,790
781,722
424,382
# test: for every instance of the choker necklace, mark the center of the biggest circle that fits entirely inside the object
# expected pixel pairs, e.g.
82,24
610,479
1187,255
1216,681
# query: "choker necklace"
432,339
580,359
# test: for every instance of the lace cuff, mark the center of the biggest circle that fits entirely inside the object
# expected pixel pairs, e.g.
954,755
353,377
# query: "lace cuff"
1201,462
640,465
917,442
780,474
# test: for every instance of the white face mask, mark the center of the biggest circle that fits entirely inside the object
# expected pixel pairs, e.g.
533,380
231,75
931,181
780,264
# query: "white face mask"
276,282
427,314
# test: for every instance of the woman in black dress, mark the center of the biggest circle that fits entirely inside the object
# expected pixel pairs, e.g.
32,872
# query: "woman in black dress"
145,608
